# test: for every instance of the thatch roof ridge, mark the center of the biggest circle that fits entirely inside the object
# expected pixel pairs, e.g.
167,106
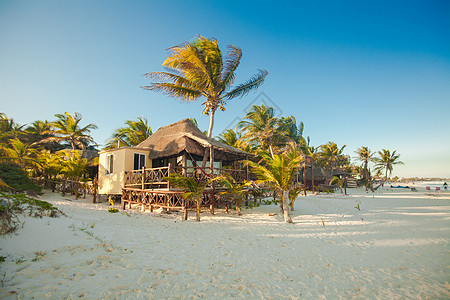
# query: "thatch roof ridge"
184,135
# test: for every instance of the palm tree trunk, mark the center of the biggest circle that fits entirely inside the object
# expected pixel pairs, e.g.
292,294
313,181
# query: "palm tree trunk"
211,122
385,179
199,202
210,129
284,196
312,176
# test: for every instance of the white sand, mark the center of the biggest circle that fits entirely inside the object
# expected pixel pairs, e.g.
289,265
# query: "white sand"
396,246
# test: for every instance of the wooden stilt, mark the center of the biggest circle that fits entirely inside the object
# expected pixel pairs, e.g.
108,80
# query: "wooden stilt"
211,209
185,214
124,205
151,208
226,207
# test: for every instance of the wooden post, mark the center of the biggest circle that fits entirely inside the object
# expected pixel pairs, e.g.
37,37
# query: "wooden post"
184,165
226,207
185,213
63,187
168,174
345,185
246,169
124,204
304,178
94,192
143,178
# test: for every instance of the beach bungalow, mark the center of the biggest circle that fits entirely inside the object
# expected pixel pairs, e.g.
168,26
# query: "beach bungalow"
137,172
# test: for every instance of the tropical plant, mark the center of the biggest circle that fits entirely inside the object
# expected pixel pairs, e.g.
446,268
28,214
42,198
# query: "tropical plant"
237,191
20,153
9,128
52,164
293,194
74,166
278,172
261,127
365,155
234,139
386,160
16,178
193,189
331,156
339,182
198,69
134,133
311,153
291,131
67,128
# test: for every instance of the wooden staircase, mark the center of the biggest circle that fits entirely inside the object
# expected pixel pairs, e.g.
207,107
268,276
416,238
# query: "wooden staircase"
351,182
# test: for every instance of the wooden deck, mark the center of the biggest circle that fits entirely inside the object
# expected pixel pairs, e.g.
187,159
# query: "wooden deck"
171,199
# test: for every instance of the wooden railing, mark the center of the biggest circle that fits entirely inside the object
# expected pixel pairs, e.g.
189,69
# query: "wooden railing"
151,177
78,188
144,177
171,199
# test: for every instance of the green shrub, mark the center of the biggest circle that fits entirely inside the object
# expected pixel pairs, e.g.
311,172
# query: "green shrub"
15,177
113,210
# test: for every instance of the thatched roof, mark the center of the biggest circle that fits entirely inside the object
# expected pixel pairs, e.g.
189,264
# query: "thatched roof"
319,173
182,136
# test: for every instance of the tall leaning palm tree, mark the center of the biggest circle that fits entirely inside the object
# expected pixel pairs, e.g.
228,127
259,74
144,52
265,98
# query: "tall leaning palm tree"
131,135
365,155
197,69
386,161
67,128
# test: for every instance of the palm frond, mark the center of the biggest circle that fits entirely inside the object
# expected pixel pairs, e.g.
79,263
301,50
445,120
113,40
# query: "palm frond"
231,64
174,90
252,84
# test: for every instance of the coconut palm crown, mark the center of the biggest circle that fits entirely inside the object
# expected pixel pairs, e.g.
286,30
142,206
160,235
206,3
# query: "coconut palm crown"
67,128
197,69
131,135
386,161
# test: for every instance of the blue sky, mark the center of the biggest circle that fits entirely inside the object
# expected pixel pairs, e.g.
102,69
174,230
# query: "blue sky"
373,73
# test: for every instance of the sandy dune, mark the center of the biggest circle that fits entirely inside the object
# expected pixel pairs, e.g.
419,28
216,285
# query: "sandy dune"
395,246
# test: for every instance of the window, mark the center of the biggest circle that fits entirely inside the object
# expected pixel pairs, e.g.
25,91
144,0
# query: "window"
109,164
139,161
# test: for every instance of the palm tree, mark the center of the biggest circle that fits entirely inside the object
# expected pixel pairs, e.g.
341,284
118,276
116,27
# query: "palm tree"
74,166
198,69
331,156
237,191
131,135
260,126
279,172
311,152
9,128
67,128
193,189
291,131
234,139
23,153
386,161
365,155
52,163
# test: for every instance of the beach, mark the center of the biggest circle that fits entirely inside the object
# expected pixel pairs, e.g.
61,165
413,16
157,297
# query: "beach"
393,243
